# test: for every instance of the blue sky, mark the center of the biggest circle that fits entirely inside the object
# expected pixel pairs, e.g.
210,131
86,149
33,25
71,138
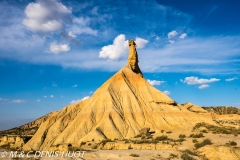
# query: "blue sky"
53,53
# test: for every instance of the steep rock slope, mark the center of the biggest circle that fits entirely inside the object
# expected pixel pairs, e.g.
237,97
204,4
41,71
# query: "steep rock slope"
123,106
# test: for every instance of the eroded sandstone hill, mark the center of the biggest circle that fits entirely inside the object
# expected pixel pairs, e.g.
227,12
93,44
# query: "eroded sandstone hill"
223,110
123,106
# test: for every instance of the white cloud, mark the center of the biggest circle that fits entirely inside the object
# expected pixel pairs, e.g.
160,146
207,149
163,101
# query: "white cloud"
202,86
57,48
38,100
167,92
119,47
54,84
171,41
51,96
141,42
46,16
158,38
45,96
75,85
172,34
155,82
230,79
195,80
184,35
18,101
79,100
80,26
71,34
3,99
115,50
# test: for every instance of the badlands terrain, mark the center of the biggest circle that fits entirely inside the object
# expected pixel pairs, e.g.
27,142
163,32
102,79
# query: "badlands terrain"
127,118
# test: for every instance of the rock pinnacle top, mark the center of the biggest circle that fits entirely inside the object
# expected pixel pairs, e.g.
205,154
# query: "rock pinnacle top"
132,62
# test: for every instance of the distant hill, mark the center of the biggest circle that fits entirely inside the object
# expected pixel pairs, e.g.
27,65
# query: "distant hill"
221,110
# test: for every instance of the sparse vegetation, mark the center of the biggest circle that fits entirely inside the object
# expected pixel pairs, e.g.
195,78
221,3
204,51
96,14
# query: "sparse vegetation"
82,143
173,156
134,155
104,141
185,156
204,131
161,138
194,140
218,129
94,147
169,132
200,135
203,143
187,151
231,143
182,136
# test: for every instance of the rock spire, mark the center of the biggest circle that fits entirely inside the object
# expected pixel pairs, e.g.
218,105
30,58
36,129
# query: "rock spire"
132,62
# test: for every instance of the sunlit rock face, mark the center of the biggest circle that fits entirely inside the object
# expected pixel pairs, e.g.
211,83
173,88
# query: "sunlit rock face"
121,108
132,62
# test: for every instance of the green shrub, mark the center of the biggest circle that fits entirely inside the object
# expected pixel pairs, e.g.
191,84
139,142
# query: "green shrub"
182,136
187,151
200,135
94,147
231,143
83,143
194,141
161,138
204,131
185,156
134,155
203,143
104,141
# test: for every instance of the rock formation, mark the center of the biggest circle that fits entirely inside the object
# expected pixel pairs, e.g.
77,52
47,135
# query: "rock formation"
132,62
223,110
121,108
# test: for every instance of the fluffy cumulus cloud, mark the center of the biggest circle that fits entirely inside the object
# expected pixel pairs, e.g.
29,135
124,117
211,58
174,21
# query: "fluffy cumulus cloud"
57,48
202,86
172,34
167,92
119,47
195,80
79,100
199,81
115,50
46,16
141,42
155,82
171,41
184,35
230,79
51,96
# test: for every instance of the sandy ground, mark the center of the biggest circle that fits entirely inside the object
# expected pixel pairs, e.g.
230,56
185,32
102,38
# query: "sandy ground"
217,139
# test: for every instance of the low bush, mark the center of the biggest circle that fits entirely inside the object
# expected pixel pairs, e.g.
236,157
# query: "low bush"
231,143
134,155
190,152
200,135
185,156
203,143
182,136
161,138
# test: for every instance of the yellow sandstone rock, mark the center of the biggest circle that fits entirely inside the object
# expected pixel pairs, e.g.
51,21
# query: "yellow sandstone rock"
124,105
